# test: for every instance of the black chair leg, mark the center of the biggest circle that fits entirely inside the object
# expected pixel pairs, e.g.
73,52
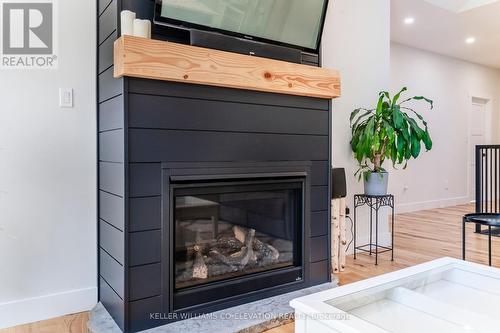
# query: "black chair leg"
463,239
489,245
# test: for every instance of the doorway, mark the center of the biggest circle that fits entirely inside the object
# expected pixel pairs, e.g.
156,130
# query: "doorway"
478,135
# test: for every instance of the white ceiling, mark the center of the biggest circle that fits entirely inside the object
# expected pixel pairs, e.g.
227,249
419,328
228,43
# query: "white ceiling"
460,5
442,26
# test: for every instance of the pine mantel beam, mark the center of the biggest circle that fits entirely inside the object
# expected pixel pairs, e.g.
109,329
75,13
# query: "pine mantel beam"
160,60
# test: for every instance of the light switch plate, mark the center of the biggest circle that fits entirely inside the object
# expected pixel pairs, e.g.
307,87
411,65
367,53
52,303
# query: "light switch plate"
65,97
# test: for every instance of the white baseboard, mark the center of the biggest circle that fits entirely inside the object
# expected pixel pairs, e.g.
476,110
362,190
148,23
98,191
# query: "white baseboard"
46,307
431,204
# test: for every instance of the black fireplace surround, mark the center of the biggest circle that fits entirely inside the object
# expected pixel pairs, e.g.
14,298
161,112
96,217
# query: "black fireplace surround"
233,229
236,182
209,197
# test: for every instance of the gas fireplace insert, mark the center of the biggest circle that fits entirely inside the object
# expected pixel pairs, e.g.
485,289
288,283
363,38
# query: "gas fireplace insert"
234,233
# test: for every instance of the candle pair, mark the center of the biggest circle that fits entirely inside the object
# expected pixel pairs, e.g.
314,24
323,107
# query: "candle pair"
132,26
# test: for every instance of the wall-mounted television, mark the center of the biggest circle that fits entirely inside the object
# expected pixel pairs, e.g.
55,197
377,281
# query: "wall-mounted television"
291,23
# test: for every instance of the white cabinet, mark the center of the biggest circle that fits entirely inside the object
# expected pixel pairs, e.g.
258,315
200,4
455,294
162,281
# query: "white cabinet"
444,295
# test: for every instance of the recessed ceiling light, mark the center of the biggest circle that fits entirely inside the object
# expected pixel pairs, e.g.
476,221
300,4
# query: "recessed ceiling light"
470,40
409,20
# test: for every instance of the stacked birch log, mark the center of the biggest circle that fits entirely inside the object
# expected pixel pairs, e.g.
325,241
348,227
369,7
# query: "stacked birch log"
339,235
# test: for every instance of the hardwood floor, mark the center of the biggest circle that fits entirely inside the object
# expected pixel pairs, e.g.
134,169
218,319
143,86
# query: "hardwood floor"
76,323
423,236
419,237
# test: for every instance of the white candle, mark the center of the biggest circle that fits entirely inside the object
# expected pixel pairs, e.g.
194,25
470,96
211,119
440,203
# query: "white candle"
127,22
142,28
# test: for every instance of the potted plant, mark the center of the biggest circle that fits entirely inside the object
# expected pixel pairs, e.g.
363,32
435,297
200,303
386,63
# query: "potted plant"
391,131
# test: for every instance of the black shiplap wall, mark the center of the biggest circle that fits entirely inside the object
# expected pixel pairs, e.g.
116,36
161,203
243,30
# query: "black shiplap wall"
111,193
173,122
212,123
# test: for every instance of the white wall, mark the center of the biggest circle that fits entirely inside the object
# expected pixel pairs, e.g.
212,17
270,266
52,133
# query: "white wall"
48,179
440,177
356,41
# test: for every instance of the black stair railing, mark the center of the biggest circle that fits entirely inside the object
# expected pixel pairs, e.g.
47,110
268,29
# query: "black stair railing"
487,179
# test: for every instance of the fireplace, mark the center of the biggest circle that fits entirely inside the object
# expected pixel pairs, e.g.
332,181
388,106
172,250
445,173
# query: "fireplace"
230,230
234,227
192,174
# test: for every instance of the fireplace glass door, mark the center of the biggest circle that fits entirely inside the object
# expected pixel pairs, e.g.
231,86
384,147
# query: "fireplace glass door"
229,230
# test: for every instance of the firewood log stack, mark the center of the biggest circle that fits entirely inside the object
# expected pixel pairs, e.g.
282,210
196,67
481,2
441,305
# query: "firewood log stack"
339,235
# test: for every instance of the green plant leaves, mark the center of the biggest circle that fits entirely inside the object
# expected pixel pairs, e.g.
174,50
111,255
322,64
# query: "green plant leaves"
380,105
419,117
419,98
386,95
376,141
353,115
414,127
427,141
415,144
388,131
397,117
396,97
360,119
401,145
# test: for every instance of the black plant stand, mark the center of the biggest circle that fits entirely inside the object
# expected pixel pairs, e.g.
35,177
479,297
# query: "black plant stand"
374,203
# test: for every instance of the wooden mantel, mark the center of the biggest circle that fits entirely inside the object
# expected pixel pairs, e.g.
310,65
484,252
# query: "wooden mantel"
159,60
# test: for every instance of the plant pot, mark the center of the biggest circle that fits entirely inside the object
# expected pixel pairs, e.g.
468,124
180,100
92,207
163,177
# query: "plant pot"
376,183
